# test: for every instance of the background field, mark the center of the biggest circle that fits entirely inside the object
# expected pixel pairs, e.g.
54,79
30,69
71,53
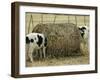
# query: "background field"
32,19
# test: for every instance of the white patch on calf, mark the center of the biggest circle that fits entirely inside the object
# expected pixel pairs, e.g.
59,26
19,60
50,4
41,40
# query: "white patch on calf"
85,38
86,31
36,41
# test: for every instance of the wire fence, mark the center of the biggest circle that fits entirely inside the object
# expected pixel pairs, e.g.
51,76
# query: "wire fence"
32,19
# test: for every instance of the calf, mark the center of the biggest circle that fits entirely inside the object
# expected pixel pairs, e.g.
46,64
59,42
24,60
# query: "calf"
36,41
84,31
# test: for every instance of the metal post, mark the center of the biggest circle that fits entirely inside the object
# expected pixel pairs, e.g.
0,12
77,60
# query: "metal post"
54,19
76,20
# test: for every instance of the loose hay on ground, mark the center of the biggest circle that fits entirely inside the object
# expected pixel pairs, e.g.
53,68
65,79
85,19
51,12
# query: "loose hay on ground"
72,60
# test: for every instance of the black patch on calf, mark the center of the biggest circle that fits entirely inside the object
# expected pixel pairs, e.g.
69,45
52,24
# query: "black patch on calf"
82,34
40,40
83,28
32,40
27,40
82,31
45,42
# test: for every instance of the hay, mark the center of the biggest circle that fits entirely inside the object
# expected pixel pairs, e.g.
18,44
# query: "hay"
63,39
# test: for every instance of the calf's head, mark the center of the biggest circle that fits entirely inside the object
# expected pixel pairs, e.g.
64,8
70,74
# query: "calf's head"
83,31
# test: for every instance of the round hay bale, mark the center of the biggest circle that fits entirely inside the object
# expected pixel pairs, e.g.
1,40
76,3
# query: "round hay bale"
63,39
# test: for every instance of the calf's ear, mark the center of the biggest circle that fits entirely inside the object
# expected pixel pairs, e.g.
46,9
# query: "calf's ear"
27,40
83,27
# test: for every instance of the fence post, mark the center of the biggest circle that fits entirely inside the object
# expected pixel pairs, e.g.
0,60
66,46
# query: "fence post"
31,20
42,18
68,19
76,20
84,20
54,19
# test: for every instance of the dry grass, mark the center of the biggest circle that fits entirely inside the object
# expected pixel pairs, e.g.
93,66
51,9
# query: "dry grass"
70,60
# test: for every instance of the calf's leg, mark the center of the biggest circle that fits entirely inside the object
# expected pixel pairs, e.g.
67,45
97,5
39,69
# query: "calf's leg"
30,53
44,51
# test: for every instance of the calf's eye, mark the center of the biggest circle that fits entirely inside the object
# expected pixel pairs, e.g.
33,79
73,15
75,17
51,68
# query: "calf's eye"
32,40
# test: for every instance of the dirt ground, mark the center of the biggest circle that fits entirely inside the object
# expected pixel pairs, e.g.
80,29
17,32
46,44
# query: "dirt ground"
70,60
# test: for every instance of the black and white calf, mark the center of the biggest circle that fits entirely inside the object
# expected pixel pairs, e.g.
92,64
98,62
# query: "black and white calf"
36,41
84,31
